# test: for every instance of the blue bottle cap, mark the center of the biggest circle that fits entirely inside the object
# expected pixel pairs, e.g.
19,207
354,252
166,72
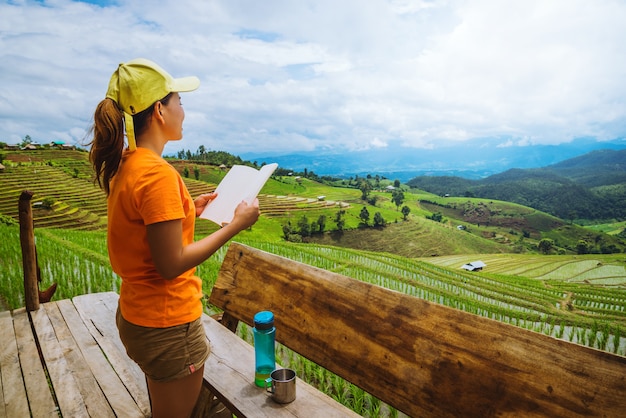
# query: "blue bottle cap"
264,320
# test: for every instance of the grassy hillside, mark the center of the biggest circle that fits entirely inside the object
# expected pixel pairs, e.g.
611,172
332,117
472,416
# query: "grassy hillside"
522,227
417,237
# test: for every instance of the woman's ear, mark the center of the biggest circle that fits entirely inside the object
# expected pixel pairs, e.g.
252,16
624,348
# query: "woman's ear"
158,111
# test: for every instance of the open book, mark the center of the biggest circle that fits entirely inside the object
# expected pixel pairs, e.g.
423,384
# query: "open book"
240,183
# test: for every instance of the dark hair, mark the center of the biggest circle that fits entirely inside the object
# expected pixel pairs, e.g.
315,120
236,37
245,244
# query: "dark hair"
107,144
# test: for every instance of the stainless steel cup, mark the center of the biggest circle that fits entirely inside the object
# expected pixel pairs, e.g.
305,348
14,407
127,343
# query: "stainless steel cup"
282,385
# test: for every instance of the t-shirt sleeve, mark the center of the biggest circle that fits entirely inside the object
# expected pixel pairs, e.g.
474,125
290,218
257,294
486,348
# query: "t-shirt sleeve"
158,196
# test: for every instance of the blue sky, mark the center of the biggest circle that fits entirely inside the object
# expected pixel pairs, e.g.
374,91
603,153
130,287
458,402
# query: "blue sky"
292,76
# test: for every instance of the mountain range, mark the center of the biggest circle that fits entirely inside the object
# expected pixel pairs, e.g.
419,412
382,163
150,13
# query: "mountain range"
591,186
471,159
580,180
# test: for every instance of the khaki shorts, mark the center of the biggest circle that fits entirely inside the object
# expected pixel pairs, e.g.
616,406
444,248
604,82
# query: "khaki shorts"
165,354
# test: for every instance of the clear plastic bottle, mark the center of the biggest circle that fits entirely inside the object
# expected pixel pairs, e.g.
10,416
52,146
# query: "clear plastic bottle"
264,346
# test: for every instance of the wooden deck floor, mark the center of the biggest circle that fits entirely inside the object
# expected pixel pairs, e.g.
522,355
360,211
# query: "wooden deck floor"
65,359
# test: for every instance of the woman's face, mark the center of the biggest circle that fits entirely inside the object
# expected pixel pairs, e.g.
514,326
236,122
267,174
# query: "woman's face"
174,114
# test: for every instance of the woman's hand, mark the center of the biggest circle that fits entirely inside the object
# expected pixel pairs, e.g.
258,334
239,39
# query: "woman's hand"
246,214
203,200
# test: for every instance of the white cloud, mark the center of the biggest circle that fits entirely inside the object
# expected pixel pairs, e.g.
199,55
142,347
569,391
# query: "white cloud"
318,74
378,143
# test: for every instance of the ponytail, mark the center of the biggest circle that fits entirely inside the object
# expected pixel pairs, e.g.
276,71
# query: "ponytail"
108,142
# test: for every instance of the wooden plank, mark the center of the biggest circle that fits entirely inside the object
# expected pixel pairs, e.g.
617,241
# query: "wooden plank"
66,388
95,401
12,390
229,373
98,314
29,251
422,358
40,398
108,382
4,351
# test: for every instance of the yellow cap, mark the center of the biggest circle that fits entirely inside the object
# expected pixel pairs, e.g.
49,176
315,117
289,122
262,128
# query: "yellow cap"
138,84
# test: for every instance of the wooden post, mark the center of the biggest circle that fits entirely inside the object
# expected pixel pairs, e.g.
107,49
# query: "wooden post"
29,258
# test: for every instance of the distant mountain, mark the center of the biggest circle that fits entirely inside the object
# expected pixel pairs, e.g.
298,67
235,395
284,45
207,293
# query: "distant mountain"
474,159
597,168
591,186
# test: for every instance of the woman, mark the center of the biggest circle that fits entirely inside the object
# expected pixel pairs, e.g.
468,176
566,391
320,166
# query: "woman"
151,219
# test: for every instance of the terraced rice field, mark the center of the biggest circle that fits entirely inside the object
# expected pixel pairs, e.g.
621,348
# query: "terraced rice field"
609,271
580,312
79,204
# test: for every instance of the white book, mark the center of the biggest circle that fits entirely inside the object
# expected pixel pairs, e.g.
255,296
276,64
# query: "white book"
240,183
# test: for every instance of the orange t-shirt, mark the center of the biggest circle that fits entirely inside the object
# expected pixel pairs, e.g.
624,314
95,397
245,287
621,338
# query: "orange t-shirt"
146,190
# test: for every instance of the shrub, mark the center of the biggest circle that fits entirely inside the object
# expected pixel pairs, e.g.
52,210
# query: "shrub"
47,203
7,220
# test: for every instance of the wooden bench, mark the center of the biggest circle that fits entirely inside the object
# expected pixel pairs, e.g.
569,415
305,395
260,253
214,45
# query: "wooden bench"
422,358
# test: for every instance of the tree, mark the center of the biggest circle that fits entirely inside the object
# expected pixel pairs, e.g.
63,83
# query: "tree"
287,230
365,188
290,234
304,226
545,245
339,221
27,140
321,223
582,247
437,217
364,215
571,216
396,183
196,173
202,152
405,211
379,220
397,197
186,172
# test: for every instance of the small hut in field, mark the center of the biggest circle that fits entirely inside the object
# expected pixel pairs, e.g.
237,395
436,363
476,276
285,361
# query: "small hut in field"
474,266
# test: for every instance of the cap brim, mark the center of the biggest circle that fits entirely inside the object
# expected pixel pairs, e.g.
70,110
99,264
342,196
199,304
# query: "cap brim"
185,84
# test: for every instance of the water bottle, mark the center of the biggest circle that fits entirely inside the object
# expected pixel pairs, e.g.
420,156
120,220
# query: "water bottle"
264,341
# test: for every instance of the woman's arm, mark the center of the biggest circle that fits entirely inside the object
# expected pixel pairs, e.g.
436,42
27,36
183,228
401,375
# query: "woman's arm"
171,258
